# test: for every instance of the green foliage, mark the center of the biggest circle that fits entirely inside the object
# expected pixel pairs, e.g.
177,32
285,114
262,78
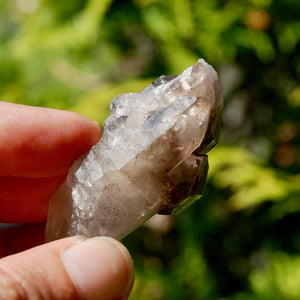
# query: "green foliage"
250,181
241,240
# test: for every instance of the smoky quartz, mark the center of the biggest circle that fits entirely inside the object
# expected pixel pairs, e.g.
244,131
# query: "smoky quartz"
152,158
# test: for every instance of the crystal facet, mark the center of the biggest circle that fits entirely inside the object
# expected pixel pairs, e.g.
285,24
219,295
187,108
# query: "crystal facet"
151,158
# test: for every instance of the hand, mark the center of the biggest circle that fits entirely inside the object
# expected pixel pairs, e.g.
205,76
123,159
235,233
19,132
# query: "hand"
37,147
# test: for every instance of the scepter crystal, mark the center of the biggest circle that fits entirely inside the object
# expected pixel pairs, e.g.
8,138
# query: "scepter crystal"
151,158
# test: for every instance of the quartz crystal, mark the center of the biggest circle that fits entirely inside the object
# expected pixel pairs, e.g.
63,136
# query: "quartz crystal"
151,158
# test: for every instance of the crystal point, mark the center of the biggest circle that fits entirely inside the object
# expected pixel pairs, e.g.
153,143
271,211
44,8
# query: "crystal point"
151,158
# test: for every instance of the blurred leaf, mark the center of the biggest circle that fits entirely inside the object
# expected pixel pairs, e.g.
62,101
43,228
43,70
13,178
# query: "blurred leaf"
251,182
82,29
280,279
294,97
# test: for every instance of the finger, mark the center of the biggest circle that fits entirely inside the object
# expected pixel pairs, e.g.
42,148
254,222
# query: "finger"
26,199
98,268
42,142
15,238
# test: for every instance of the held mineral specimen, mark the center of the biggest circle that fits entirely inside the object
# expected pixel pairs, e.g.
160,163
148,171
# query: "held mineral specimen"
150,159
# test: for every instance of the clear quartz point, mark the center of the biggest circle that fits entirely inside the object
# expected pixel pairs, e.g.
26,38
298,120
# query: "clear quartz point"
151,158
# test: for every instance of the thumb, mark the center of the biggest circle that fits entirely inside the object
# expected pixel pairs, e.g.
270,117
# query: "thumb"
71,268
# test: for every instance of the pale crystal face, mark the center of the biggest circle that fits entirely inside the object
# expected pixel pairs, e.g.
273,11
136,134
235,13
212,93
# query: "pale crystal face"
151,158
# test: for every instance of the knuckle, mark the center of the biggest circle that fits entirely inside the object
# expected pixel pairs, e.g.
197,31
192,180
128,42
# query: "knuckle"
11,285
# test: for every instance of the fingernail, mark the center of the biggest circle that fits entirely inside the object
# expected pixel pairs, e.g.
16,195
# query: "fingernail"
100,268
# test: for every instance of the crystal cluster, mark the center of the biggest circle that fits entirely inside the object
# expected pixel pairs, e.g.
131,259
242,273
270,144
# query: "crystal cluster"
151,158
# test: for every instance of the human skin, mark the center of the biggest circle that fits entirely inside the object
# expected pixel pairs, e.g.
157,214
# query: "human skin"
37,148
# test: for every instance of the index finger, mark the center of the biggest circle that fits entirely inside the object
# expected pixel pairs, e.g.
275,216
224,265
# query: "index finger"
42,142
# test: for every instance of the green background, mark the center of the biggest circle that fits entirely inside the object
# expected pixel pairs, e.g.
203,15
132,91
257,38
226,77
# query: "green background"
241,240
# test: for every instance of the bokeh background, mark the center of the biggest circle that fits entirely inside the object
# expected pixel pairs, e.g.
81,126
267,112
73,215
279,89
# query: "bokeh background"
241,240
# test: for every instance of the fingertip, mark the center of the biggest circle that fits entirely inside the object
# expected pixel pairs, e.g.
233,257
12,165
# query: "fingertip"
87,119
93,127
42,142
100,268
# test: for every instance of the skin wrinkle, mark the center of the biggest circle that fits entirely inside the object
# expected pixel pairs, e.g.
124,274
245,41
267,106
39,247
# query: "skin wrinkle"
25,274
52,276
11,284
